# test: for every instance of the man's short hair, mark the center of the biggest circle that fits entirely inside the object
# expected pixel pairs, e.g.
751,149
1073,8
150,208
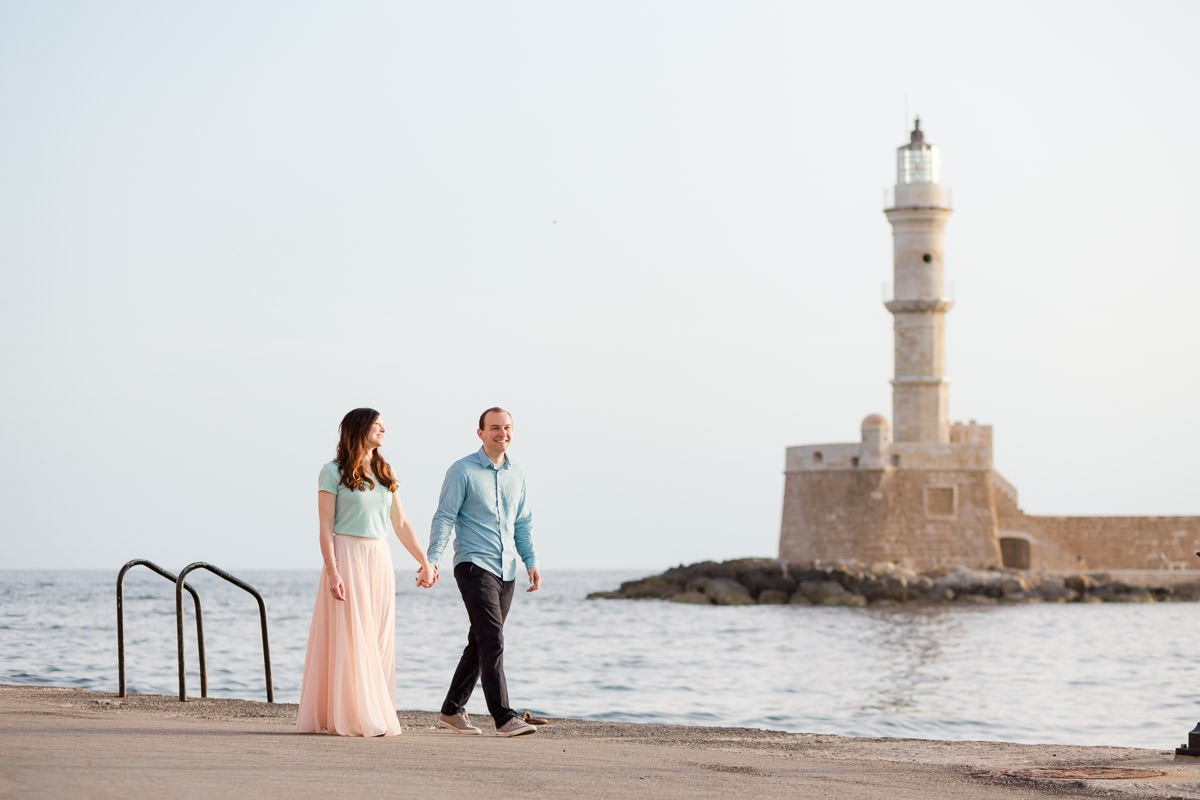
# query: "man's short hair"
483,416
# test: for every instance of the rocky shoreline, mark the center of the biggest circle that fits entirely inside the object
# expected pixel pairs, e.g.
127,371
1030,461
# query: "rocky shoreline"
768,581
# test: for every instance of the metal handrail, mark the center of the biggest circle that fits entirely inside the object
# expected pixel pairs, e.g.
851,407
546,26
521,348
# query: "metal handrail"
121,624
262,614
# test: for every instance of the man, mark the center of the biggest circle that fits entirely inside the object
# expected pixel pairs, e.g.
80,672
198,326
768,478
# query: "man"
483,502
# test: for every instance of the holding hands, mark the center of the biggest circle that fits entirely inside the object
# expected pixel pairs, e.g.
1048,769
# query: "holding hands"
427,575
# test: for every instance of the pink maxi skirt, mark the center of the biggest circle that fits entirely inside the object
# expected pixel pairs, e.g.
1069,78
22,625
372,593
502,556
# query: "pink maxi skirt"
349,684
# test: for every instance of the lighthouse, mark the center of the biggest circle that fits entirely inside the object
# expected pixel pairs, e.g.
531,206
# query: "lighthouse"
920,407
922,492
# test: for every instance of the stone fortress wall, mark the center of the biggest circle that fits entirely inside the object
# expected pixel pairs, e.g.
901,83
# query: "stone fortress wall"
943,506
922,505
1094,543
926,506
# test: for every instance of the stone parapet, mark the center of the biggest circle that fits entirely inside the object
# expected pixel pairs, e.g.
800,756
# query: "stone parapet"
906,455
815,457
938,456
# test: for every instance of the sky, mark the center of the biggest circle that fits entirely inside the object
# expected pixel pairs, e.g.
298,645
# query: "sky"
653,230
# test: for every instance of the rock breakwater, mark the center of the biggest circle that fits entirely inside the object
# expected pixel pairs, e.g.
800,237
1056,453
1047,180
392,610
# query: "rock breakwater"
768,581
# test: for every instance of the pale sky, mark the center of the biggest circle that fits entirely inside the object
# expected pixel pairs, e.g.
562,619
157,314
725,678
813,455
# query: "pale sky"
653,230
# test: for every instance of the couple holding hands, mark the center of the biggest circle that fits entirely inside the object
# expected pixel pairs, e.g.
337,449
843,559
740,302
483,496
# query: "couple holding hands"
349,683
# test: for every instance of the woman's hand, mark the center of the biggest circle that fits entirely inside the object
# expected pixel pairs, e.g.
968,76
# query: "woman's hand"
326,503
427,575
336,587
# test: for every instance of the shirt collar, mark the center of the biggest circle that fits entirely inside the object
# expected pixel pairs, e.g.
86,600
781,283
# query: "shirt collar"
486,462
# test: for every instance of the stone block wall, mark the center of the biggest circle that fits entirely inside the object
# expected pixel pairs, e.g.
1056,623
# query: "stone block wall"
919,519
1121,542
931,505
1096,543
1099,543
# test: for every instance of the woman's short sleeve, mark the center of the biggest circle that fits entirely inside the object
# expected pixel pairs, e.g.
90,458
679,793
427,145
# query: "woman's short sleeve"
329,478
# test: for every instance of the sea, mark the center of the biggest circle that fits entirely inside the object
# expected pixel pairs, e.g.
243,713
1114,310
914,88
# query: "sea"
1086,674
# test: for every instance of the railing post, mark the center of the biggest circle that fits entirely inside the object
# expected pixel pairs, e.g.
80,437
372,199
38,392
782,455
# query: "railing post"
262,616
121,623
262,612
179,634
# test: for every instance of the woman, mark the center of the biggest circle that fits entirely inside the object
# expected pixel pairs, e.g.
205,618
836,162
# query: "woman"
349,684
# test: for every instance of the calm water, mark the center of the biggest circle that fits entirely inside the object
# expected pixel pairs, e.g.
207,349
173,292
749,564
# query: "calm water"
1077,674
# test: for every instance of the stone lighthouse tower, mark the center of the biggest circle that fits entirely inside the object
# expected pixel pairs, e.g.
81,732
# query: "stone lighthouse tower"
921,491
920,409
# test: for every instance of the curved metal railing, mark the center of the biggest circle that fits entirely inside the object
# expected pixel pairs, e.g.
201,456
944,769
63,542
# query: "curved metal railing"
262,613
121,622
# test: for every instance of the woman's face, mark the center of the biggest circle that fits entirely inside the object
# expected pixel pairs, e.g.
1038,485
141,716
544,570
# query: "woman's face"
376,433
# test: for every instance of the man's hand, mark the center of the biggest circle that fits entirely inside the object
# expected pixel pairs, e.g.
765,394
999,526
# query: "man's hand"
427,576
535,579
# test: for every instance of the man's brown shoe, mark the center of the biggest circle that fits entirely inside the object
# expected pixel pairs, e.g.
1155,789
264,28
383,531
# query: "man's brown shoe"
515,727
459,723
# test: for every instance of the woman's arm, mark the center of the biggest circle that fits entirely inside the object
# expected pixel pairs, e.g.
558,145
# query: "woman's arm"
428,574
325,505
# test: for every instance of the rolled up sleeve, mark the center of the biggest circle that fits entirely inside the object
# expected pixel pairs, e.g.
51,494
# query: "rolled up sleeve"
523,532
454,492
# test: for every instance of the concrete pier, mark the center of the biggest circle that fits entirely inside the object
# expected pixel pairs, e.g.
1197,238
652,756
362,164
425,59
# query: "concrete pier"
69,743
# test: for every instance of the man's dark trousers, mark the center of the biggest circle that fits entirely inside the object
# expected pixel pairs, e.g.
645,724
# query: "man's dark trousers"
487,599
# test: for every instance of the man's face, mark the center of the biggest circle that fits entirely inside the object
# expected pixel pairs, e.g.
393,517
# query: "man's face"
497,433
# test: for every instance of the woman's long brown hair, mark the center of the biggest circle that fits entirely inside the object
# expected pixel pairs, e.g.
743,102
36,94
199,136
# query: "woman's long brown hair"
352,444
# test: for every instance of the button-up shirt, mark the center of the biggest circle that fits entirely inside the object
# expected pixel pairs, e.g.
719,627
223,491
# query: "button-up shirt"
485,506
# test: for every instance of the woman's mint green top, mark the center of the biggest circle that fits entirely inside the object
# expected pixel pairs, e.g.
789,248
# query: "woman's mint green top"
366,513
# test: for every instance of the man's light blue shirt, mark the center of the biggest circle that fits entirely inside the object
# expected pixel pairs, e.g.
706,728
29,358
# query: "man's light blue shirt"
486,504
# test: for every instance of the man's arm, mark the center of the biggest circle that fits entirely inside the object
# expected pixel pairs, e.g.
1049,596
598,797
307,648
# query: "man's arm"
454,492
523,539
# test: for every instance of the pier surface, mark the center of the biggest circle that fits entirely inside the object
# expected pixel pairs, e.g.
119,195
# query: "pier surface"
71,743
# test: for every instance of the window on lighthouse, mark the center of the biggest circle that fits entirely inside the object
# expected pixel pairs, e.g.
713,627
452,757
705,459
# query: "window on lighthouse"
917,164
